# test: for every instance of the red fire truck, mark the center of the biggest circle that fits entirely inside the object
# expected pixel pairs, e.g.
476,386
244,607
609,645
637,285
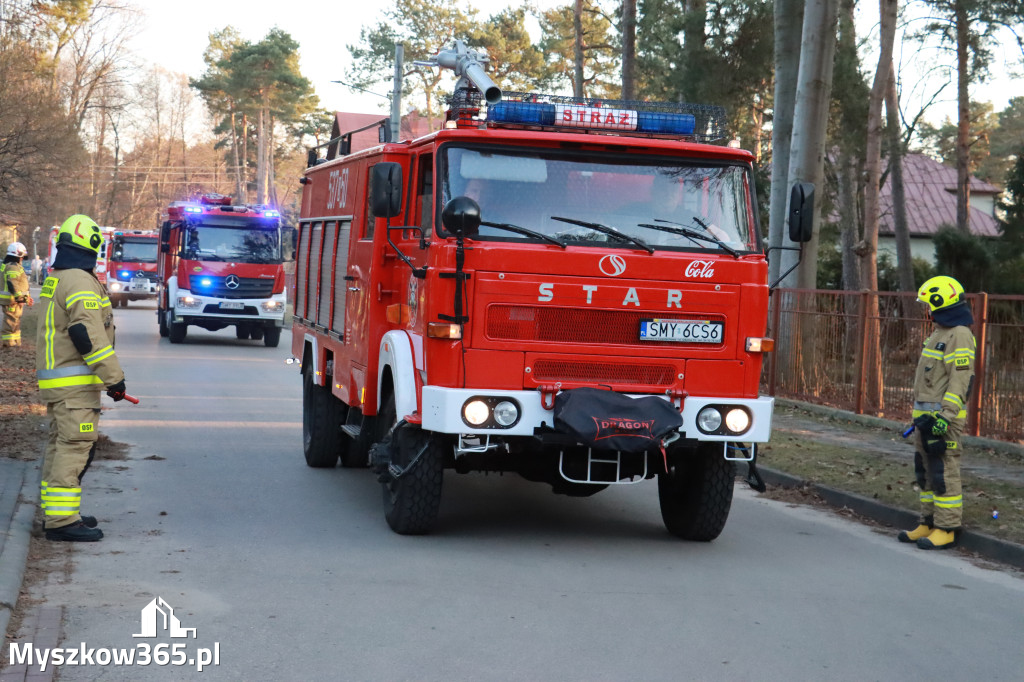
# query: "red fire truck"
567,289
221,266
101,259
131,266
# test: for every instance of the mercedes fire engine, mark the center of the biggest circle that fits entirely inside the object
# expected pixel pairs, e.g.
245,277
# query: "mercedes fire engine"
131,266
569,289
221,266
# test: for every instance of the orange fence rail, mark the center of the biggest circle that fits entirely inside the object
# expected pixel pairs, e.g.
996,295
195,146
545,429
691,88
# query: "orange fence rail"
858,351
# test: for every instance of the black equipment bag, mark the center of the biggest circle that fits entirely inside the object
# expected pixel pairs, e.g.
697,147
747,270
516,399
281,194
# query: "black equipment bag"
606,420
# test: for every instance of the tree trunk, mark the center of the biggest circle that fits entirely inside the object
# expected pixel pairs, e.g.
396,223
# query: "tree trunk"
873,395
239,193
577,24
695,18
904,260
628,49
849,222
271,173
245,157
261,156
810,119
963,127
788,19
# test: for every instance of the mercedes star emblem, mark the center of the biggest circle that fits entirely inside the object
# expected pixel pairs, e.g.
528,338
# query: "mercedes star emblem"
231,282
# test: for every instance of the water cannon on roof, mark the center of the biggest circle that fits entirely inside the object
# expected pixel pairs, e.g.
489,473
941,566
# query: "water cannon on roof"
468,65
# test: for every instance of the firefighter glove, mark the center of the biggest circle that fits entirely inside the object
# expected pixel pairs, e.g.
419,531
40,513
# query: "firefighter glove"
940,426
116,392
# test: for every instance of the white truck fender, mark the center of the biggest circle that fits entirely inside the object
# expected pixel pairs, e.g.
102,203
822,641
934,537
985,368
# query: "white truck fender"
310,340
398,352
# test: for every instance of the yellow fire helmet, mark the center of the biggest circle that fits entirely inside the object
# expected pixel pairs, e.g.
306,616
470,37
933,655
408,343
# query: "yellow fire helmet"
941,292
81,231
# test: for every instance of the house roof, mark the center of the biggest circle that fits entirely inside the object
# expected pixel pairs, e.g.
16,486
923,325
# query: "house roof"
345,121
931,199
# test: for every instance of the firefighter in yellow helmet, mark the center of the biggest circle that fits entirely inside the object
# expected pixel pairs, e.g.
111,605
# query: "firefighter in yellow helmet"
942,388
14,294
74,360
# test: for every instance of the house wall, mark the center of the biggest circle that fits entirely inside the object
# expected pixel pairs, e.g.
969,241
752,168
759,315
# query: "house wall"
919,248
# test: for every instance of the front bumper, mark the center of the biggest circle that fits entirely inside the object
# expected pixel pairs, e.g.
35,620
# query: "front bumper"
233,310
133,289
442,413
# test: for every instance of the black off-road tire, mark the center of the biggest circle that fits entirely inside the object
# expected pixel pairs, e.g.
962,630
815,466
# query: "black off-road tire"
241,332
696,494
177,332
271,336
412,502
161,320
322,417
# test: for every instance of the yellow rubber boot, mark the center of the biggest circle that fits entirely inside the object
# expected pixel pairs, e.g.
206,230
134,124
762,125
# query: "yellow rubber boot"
939,538
922,531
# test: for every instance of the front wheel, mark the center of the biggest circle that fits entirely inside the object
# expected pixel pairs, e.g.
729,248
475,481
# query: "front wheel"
696,493
322,417
413,481
177,332
161,319
271,336
241,332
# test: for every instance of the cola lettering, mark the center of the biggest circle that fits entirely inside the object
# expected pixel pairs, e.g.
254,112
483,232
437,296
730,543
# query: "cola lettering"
704,269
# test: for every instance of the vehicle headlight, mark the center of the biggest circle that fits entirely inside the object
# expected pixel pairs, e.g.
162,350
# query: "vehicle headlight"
114,286
188,302
737,420
272,306
476,412
709,419
506,413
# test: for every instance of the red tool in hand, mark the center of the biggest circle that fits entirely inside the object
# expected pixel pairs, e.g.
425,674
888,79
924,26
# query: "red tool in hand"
132,399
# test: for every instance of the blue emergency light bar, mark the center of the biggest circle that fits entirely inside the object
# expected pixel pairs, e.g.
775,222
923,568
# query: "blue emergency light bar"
193,209
591,118
699,122
271,214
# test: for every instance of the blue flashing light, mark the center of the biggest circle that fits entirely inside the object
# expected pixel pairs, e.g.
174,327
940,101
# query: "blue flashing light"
272,214
205,281
193,209
671,124
528,113
126,274
581,117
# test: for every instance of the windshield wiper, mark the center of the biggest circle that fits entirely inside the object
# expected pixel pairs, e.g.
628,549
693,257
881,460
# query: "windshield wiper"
524,231
611,231
692,234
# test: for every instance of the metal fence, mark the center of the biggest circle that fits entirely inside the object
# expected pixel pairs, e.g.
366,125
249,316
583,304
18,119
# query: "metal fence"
858,351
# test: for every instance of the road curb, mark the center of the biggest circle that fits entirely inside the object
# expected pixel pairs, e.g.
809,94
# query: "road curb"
987,546
14,556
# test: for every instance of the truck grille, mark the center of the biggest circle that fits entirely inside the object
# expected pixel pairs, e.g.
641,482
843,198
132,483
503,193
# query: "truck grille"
598,372
574,325
248,287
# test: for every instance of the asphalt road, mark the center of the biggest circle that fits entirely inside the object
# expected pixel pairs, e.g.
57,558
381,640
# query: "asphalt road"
294,574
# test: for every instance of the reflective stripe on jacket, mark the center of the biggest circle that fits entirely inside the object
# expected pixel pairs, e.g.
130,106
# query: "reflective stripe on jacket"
75,297
945,372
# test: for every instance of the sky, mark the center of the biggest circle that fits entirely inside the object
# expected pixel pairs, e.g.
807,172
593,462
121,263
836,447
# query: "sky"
176,32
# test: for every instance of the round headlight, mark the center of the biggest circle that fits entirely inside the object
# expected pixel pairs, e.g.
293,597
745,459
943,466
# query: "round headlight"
506,413
114,286
737,420
476,412
709,419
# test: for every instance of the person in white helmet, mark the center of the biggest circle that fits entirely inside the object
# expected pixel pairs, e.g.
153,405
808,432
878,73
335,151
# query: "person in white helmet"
14,295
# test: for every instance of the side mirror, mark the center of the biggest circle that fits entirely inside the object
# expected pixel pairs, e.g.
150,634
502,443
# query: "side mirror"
461,217
801,212
165,247
386,189
290,240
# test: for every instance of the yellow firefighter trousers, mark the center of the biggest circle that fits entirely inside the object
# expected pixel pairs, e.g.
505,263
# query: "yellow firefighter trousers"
11,334
73,433
938,477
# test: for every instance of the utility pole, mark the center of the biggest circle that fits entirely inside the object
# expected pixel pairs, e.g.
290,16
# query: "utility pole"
396,95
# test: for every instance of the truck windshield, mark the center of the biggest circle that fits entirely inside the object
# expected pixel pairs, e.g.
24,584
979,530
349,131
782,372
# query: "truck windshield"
235,244
142,251
538,189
